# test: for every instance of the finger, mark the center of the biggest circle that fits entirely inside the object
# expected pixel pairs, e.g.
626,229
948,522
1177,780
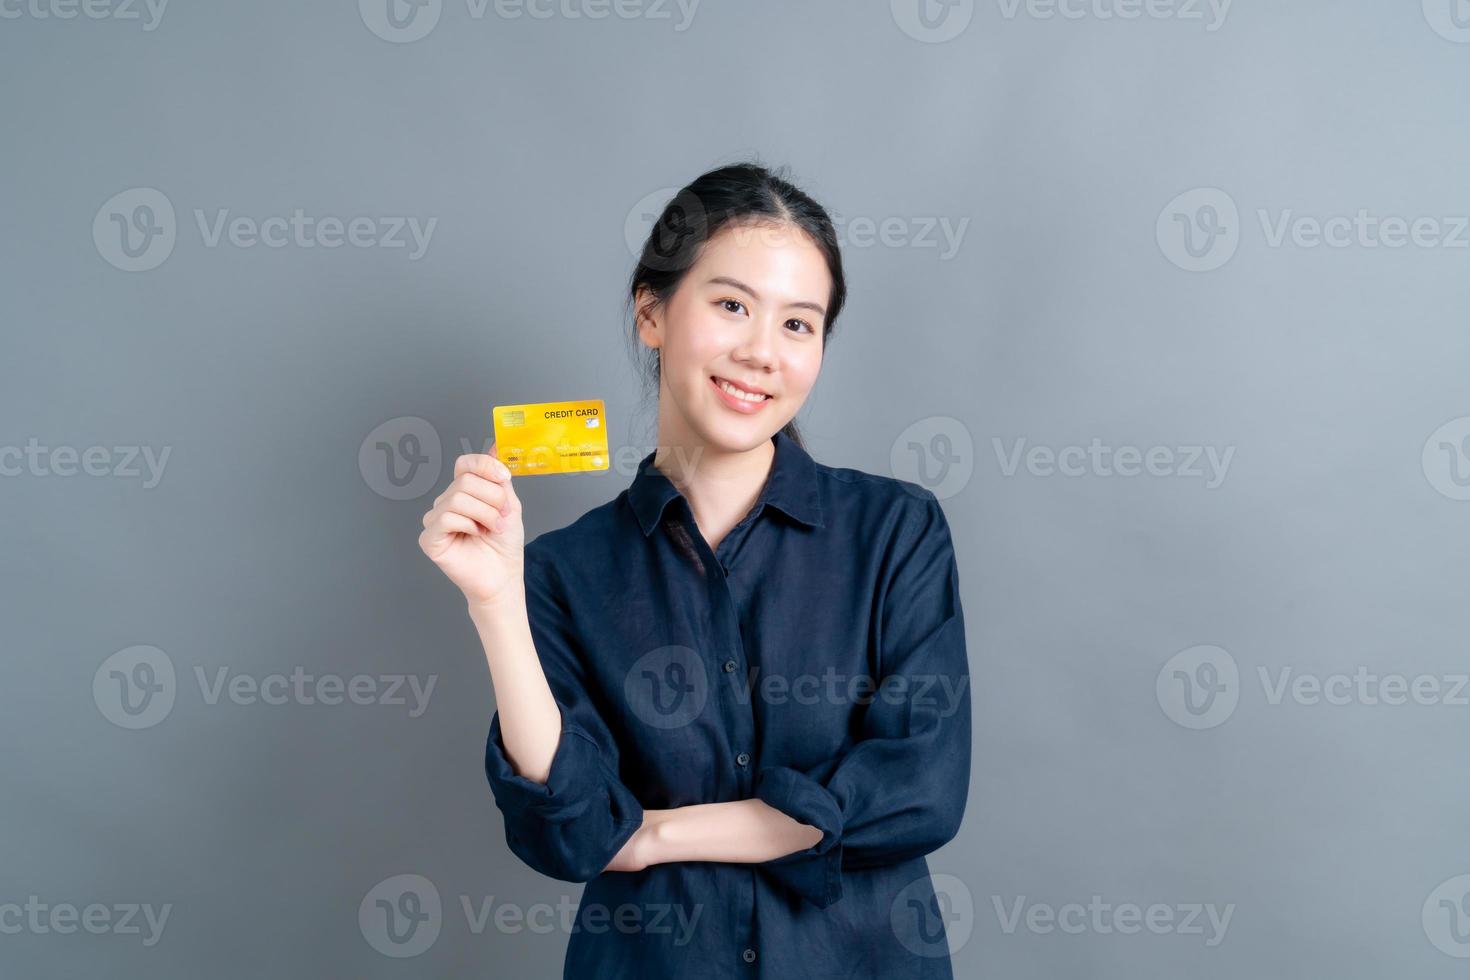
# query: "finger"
448,523
468,505
492,493
482,464
511,505
434,521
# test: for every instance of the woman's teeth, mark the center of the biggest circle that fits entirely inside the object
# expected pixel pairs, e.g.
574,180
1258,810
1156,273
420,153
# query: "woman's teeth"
730,389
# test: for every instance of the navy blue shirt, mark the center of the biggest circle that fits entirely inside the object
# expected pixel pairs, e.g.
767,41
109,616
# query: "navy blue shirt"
815,660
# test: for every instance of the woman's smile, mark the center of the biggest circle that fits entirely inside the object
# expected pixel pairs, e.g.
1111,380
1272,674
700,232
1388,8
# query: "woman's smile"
741,398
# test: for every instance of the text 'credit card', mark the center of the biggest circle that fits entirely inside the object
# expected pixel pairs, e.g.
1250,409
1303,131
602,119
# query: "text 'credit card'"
551,437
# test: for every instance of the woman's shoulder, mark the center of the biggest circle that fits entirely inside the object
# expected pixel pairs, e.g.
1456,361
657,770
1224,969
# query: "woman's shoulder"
878,484
893,517
869,496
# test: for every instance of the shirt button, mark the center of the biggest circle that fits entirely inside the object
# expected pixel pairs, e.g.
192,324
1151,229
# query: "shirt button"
748,955
729,666
743,759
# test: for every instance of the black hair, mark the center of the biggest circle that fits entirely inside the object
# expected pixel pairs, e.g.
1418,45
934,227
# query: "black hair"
742,193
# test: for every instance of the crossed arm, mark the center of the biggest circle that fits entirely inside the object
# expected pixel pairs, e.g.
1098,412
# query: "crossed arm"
742,831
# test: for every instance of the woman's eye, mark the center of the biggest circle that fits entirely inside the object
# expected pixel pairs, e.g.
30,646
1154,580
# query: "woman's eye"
740,307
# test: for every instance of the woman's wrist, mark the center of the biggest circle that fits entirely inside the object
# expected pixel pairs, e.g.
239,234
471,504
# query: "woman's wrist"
510,601
653,837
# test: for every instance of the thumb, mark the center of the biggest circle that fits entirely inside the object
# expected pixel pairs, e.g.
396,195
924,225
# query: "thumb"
512,501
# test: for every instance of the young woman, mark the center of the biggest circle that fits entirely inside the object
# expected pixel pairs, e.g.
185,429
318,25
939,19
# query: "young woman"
734,699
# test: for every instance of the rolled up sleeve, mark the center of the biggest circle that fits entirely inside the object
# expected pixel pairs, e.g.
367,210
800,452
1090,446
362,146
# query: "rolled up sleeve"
572,825
899,791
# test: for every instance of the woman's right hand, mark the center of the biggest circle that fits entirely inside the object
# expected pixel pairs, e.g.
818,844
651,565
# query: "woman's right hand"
474,531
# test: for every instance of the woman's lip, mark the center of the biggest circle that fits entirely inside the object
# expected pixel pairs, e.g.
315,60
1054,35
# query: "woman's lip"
716,378
737,404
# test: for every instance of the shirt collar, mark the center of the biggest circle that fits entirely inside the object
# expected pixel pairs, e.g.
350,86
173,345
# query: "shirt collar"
791,487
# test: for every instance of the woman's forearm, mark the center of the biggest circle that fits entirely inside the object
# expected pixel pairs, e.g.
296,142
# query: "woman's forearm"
742,831
530,721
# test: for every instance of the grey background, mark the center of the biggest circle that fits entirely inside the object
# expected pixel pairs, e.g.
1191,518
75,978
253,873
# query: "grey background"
1061,318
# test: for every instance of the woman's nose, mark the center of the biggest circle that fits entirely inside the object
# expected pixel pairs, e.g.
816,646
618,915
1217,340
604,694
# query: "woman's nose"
759,347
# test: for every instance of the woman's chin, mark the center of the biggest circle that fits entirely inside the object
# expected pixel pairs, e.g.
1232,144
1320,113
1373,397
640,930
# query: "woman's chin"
726,435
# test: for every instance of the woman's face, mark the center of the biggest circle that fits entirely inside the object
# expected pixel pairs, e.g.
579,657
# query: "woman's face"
749,312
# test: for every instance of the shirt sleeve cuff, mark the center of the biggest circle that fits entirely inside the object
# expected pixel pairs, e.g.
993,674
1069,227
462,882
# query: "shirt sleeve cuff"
573,784
815,873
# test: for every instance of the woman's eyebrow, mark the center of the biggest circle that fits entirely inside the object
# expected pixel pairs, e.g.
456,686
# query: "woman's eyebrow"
736,283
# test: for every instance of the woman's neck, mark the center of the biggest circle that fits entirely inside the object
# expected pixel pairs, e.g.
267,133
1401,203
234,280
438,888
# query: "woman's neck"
721,487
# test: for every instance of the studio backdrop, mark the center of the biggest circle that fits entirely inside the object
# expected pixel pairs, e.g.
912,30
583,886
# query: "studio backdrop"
1165,301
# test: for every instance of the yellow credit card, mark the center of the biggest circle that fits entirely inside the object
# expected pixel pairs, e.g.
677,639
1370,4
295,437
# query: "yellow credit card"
551,437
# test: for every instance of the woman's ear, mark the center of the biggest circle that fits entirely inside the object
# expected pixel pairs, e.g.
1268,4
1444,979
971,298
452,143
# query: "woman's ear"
645,307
